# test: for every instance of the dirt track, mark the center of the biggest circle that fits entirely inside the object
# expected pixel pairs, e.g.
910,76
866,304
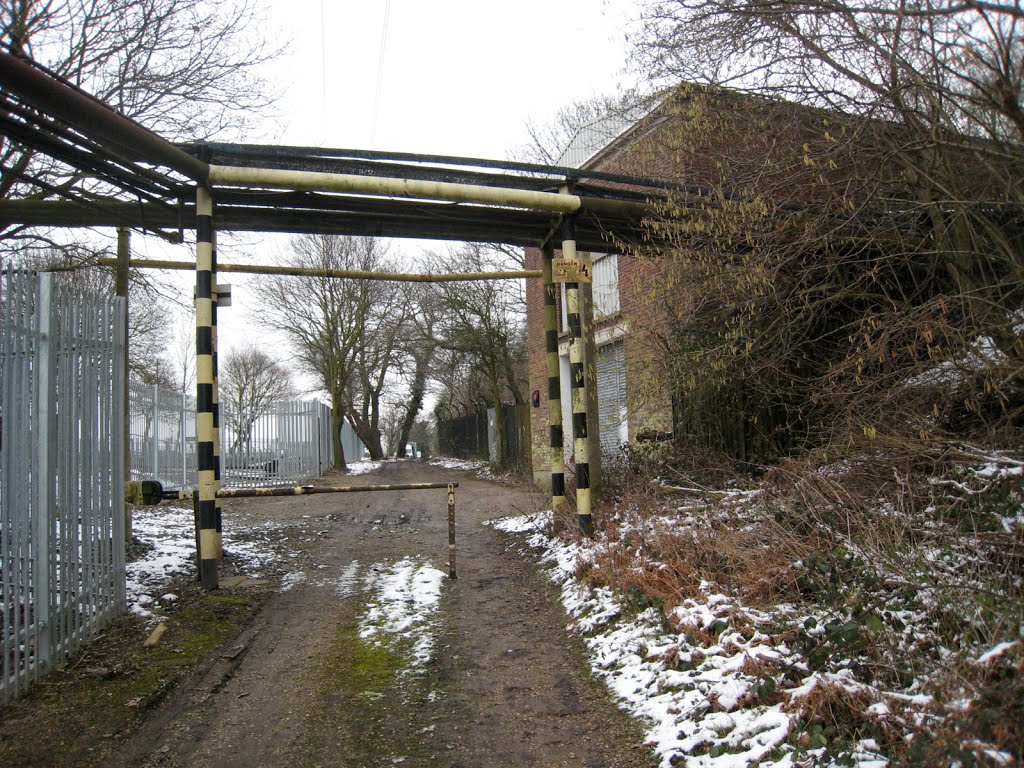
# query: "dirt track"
506,687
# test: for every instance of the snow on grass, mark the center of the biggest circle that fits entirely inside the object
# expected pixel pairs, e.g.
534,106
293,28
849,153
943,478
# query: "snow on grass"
481,468
997,651
699,688
403,608
168,534
402,601
446,462
363,467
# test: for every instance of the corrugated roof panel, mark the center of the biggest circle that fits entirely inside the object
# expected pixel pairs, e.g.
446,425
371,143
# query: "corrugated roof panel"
594,136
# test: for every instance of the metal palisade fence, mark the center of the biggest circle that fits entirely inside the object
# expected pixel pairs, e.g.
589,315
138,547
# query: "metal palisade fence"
62,567
475,435
286,444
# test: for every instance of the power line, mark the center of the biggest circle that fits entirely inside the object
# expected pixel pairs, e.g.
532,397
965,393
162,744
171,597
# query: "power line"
323,74
380,72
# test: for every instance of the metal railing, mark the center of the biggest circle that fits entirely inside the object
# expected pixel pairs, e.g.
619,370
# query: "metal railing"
475,435
288,443
161,435
464,437
62,568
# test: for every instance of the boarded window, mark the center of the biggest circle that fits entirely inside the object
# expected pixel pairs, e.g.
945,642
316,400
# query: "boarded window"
605,289
611,399
606,285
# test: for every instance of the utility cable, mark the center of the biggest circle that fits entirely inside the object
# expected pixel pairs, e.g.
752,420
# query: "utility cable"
380,72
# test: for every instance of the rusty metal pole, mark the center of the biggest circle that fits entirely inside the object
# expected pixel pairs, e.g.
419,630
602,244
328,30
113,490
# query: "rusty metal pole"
341,274
451,531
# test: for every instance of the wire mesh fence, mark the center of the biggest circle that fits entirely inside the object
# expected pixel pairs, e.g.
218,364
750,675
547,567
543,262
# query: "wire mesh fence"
475,435
62,569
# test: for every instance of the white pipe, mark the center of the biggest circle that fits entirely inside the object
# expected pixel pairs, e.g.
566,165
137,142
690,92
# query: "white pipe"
310,181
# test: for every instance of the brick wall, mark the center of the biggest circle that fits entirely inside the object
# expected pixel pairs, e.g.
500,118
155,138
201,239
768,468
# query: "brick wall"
645,295
715,139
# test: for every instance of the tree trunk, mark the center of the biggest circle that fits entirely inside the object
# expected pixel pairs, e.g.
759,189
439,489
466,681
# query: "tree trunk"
418,391
367,432
499,424
337,421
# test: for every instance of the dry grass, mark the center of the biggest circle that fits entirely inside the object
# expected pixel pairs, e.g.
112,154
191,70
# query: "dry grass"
829,704
855,543
648,552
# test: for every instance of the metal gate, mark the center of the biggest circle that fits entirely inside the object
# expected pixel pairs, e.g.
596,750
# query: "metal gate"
287,443
62,570
611,398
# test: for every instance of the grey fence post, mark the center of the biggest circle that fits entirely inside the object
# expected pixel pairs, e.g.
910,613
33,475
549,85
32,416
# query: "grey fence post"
121,457
182,419
155,448
45,462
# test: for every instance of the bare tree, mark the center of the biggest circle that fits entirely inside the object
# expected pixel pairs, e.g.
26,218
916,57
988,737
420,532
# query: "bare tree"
189,69
420,346
250,382
183,351
551,137
326,319
379,352
482,324
148,312
869,231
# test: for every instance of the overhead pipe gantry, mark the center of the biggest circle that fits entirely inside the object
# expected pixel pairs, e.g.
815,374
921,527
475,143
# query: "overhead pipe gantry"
43,112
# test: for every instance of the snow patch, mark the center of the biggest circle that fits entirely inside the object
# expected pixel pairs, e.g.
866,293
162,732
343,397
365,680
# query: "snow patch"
363,467
168,533
700,699
403,607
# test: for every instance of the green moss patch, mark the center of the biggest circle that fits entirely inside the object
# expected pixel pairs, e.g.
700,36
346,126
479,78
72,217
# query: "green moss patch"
79,715
375,708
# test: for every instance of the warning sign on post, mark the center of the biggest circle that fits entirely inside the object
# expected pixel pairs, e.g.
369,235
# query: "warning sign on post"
575,270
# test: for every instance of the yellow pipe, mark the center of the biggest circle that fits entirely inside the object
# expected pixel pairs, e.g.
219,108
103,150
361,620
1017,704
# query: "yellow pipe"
353,274
311,181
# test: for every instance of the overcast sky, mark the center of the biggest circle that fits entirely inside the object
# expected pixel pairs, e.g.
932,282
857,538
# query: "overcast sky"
455,77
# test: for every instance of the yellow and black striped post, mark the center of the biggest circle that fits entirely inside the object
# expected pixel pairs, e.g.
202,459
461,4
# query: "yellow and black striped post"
578,384
206,496
557,449
217,538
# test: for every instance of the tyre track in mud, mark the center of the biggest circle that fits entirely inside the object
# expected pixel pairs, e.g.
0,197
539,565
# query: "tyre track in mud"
505,687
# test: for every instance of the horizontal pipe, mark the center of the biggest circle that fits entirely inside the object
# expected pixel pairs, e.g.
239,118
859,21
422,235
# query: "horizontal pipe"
509,226
267,151
276,178
306,490
351,274
94,119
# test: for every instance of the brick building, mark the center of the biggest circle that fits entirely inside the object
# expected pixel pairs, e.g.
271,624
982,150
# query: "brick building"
727,148
630,395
